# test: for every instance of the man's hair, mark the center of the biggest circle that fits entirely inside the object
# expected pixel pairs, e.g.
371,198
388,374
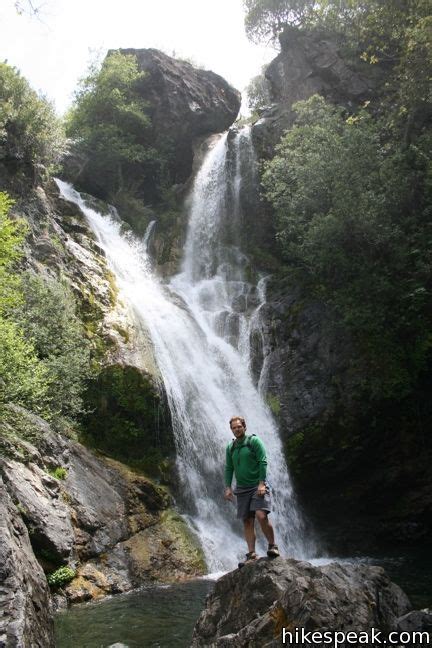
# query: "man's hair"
237,418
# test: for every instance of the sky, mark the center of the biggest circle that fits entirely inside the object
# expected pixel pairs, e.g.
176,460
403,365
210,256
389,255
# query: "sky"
53,49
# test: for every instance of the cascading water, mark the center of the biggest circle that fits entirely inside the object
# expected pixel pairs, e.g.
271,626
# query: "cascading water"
200,326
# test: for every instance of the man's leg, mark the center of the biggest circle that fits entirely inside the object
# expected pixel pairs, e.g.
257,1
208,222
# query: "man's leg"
266,526
249,531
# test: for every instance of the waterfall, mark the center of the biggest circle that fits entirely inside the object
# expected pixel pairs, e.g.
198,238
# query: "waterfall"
200,324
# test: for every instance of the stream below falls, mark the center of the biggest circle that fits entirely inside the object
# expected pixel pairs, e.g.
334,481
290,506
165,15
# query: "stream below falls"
163,616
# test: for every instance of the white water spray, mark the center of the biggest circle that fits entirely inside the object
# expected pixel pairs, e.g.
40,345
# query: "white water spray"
200,325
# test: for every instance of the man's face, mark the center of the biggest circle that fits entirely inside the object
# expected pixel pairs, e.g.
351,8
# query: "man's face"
237,428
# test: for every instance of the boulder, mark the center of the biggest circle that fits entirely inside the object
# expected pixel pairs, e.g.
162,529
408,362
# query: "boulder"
185,103
25,621
252,606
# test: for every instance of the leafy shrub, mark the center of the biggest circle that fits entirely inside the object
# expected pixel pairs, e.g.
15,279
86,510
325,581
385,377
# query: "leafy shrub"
24,380
61,576
48,318
59,473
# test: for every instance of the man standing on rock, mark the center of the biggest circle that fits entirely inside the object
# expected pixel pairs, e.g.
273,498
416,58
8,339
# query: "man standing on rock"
246,458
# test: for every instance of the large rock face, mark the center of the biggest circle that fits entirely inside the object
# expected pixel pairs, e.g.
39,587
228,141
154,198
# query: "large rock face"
303,351
25,621
251,607
185,102
308,64
114,527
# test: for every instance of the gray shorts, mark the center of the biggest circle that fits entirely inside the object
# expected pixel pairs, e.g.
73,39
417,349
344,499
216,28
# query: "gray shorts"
248,501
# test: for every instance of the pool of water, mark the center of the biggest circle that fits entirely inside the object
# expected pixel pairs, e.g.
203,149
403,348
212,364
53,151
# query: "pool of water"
164,616
151,617
412,570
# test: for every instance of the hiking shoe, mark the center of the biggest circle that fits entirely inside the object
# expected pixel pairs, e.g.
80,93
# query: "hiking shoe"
250,557
273,551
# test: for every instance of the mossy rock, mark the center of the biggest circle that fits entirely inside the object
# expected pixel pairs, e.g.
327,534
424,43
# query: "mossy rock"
128,419
165,552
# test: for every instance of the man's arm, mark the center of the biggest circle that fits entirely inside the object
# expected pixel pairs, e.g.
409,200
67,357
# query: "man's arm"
261,457
229,472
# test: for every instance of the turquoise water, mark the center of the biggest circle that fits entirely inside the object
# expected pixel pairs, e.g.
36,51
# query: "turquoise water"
164,616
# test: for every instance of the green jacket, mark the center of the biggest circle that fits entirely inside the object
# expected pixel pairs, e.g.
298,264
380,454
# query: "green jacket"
249,464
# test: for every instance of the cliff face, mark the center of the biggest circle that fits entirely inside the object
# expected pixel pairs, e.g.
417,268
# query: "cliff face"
63,503
116,528
24,599
308,64
355,463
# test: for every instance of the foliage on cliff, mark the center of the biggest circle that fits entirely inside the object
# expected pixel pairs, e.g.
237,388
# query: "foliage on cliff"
354,223
352,192
390,41
30,132
110,126
23,378
44,354
265,19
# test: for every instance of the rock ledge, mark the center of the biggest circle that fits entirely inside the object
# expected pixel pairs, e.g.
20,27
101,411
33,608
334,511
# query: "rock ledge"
251,606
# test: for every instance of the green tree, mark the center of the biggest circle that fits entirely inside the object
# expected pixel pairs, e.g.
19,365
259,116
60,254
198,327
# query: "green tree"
23,379
265,19
11,239
30,132
48,319
258,92
353,216
111,128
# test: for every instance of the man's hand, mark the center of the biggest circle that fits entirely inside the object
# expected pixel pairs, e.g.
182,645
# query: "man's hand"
261,489
228,494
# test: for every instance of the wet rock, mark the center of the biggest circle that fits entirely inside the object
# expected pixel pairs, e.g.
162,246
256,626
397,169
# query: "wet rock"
94,582
25,621
251,606
303,351
165,552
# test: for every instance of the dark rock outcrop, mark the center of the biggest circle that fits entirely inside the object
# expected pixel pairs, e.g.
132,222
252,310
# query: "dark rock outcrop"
185,103
308,64
25,621
252,606
416,621
303,351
